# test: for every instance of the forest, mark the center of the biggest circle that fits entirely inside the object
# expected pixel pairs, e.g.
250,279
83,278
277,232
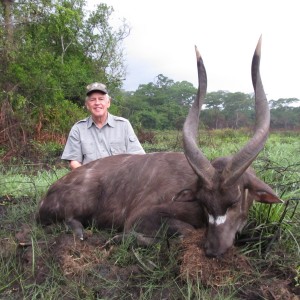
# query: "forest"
50,51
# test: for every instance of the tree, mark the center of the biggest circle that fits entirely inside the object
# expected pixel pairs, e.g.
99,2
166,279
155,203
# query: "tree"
162,104
58,49
284,115
238,109
214,102
283,102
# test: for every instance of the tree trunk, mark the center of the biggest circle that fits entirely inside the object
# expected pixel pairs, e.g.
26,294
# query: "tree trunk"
8,25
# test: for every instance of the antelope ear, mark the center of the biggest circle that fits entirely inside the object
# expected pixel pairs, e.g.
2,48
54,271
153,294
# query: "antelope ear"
265,197
261,191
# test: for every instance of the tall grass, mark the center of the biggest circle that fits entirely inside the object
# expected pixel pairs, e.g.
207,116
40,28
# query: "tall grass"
272,231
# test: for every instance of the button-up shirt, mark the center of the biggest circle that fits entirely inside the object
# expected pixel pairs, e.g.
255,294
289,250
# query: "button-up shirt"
88,142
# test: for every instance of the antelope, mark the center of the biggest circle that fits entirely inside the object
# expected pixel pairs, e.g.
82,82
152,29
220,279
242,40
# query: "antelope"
182,191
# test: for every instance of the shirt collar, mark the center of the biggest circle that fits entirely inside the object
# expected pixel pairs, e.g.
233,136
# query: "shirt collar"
110,121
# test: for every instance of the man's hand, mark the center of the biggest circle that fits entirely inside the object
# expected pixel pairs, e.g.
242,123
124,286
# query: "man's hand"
75,164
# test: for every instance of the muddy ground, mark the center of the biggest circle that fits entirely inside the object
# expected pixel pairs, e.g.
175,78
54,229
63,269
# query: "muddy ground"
89,263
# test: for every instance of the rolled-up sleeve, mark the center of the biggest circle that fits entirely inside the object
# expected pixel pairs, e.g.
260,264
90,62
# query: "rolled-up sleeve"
73,150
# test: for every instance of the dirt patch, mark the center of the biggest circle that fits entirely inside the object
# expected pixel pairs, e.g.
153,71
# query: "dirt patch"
89,265
222,271
83,262
78,257
272,289
234,269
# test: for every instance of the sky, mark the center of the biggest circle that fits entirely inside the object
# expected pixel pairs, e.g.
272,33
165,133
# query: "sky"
164,33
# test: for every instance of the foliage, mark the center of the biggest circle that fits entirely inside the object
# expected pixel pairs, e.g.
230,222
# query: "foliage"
159,105
164,105
59,118
63,49
50,53
126,271
285,116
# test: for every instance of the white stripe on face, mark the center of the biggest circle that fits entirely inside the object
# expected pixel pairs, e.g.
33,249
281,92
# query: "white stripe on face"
218,220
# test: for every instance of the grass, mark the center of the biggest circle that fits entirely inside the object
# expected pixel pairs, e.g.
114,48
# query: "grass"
54,266
27,182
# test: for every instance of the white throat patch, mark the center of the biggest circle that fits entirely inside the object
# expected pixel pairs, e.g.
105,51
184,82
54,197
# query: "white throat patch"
218,220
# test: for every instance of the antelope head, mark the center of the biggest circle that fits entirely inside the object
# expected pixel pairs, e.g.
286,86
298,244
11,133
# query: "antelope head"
228,185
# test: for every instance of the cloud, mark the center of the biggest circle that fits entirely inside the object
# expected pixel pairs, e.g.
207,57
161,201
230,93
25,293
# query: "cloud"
163,35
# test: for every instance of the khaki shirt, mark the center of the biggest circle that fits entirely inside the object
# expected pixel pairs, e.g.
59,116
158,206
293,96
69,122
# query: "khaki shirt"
87,142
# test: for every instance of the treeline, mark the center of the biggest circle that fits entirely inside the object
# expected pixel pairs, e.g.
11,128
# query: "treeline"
164,104
49,52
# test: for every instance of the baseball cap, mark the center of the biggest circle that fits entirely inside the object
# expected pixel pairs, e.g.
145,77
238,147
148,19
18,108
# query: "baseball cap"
96,86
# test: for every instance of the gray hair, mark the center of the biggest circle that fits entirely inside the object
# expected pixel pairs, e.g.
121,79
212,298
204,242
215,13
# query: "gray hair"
106,95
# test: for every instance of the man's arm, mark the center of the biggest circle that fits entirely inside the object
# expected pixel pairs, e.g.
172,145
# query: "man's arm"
72,151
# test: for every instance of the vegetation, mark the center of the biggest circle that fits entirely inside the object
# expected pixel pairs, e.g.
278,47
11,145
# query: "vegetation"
50,264
50,50
164,105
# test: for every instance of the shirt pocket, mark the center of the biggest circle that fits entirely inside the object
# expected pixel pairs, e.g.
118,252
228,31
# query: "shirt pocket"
117,147
87,148
88,152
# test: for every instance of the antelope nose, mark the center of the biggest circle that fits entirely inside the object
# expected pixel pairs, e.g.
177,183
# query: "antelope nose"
211,252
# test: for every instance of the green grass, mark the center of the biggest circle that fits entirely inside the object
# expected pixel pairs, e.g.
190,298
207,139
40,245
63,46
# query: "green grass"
274,231
26,183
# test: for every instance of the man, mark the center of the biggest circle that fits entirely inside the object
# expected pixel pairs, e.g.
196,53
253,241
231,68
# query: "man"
101,134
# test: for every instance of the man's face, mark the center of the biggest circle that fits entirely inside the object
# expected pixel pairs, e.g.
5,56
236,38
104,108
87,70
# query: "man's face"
98,104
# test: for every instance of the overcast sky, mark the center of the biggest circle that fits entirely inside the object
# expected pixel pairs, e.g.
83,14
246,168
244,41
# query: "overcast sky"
164,32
